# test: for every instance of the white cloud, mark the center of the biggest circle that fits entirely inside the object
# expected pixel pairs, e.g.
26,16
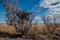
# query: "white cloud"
37,19
53,10
47,3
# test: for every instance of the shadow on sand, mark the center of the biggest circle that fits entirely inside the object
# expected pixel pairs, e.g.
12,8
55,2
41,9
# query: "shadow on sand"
5,34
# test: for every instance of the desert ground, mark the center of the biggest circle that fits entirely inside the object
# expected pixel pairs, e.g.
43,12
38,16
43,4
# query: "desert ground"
6,29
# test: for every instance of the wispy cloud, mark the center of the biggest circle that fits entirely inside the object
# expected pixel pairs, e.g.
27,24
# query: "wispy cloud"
53,7
37,19
53,10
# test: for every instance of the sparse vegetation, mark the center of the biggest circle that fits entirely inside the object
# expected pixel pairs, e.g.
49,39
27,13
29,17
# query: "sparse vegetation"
20,25
22,21
50,27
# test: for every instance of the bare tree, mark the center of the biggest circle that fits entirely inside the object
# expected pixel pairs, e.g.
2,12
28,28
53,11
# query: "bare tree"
22,21
50,27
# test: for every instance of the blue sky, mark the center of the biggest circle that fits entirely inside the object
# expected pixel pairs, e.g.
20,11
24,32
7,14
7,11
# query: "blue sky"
26,5
38,7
